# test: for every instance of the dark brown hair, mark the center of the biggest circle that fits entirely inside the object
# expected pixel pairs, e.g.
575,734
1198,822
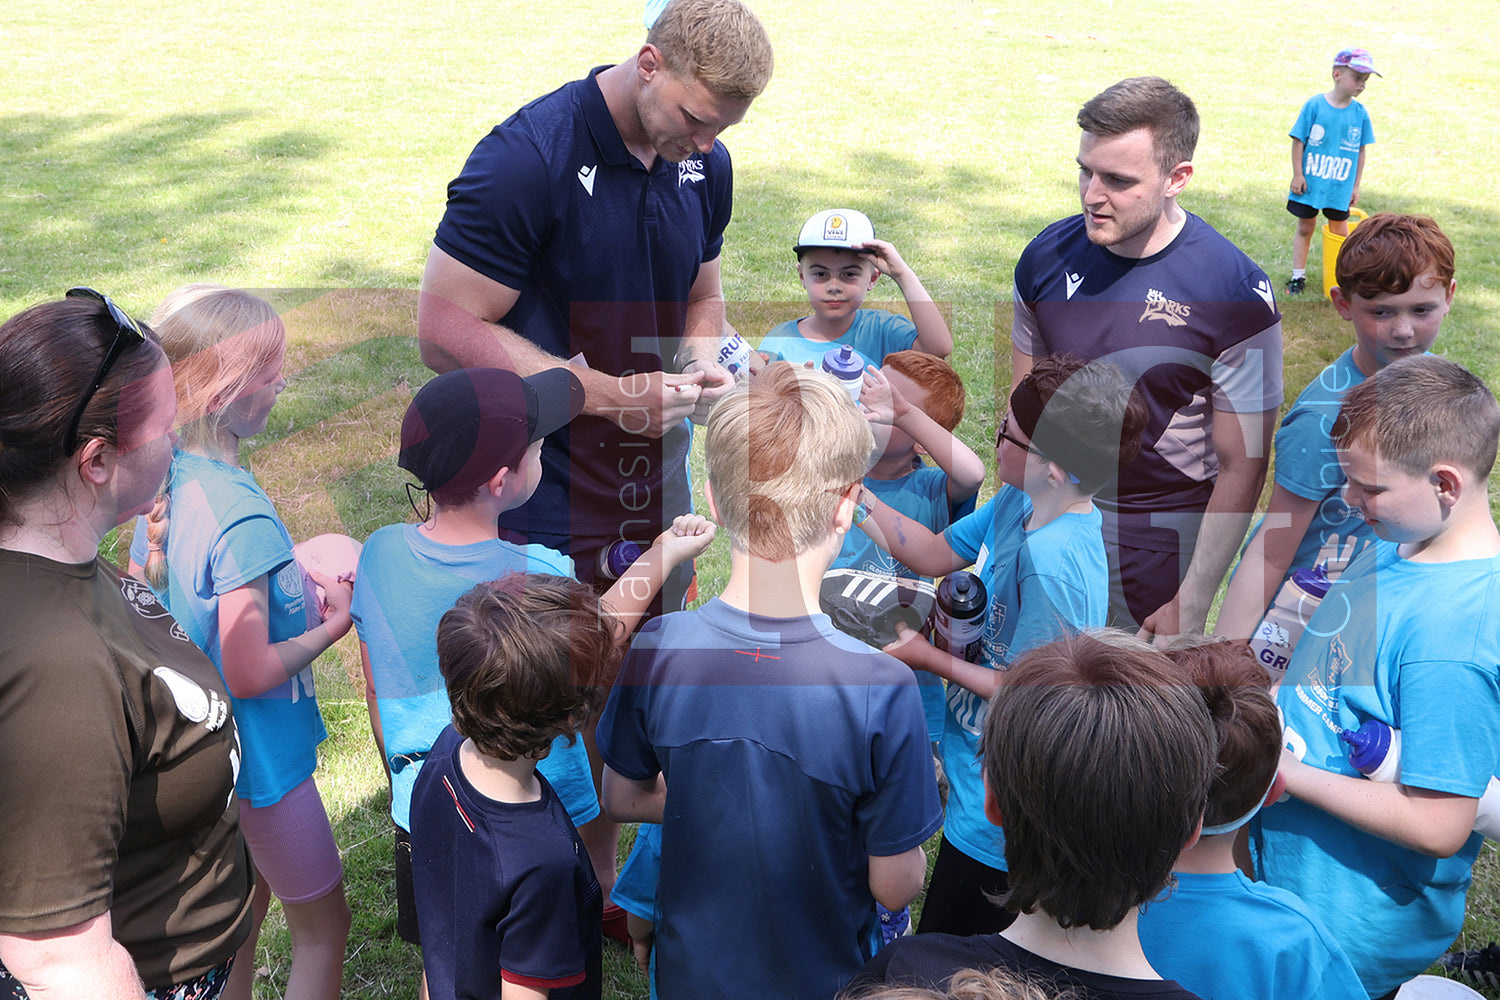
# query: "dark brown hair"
1099,758
1238,695
525,658
48,356
1093,418
1147,102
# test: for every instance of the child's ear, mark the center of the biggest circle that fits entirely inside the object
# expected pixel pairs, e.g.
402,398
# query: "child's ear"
1278,789
1059,475
1449,483
1197,832
713,508
843,514
1341,304
496,483
991,807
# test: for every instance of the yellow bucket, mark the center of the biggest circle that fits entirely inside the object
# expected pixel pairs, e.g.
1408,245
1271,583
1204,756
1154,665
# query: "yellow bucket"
1331,244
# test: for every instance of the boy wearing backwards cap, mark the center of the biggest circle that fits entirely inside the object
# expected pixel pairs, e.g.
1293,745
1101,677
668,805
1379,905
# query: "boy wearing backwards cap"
473,440
1328,157
1038,546
838,262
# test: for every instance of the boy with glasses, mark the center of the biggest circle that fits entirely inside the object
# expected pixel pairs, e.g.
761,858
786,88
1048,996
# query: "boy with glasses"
1038,547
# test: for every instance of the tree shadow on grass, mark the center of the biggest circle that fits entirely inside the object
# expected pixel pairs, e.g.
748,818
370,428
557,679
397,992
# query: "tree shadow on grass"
108,201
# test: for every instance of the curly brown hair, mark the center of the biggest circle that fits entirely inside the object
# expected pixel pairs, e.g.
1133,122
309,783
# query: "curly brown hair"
526,658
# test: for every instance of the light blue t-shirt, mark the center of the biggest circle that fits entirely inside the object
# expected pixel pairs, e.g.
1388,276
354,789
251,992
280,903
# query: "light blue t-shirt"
921,495
1331,139
406,582
1042,585
1415,645
1307,464
1263,942
223,533
635,888
873,334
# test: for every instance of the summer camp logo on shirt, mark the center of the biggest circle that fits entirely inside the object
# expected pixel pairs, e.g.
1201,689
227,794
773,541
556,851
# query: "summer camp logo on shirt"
1158,306
690,170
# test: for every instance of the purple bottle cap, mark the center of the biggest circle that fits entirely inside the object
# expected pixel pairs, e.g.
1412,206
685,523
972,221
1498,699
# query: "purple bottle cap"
842,363
1315,581
1368,745
621,553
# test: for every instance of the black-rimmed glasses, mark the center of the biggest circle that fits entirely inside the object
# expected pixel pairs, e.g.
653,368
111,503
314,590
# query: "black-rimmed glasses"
127,334
1003,435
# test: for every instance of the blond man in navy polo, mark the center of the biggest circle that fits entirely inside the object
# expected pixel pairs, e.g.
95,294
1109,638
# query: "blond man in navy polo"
585,231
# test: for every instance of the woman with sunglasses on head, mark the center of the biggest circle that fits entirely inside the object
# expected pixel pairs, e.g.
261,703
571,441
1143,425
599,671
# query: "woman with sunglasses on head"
217,554
122,869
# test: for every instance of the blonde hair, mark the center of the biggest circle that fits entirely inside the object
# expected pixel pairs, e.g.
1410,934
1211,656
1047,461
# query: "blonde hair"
779,451
218,340
719,43
997,983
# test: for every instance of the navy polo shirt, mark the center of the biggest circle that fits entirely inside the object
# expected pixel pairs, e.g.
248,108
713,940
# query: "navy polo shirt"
603,252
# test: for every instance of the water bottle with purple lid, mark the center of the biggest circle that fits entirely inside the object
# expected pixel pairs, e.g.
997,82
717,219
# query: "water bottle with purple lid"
845,364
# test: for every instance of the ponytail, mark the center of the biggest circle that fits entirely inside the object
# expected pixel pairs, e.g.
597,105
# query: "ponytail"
156,541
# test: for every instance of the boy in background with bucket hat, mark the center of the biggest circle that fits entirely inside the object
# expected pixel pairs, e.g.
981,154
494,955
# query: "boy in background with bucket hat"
1328,157
838,262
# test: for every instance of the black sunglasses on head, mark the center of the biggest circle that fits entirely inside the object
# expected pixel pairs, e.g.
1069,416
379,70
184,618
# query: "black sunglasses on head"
127,334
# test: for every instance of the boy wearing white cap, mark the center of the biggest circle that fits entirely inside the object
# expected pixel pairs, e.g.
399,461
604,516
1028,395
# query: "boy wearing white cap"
1328,157
838,262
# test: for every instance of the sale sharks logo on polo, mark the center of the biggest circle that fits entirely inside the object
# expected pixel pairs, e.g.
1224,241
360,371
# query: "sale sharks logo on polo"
1158,306
690,170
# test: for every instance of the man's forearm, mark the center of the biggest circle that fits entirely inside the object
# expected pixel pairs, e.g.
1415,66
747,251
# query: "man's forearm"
703,331
1225,521
451,337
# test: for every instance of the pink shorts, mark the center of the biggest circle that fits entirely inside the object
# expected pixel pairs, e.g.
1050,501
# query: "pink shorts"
292,845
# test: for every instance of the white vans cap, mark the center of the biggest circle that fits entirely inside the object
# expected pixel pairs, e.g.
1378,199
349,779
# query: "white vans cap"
841,228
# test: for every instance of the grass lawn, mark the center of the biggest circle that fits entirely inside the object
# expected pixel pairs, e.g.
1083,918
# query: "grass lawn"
305,148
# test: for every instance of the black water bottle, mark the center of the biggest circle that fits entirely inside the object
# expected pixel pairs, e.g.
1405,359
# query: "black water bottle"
958,616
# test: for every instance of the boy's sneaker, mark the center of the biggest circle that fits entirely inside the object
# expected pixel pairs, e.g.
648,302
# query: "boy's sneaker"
893,923
1480,966
1296,286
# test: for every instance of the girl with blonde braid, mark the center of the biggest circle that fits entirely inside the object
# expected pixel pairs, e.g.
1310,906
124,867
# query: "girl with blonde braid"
216,553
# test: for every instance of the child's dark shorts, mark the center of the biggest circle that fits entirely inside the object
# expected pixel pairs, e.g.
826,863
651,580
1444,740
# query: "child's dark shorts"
1302,211
406,896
